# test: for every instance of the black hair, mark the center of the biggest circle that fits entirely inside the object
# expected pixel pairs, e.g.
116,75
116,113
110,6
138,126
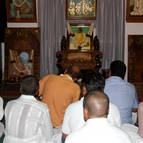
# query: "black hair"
118,68
95,81
74,74
29,85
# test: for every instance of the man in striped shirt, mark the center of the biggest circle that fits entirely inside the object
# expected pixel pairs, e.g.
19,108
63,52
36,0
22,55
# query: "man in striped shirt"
27,120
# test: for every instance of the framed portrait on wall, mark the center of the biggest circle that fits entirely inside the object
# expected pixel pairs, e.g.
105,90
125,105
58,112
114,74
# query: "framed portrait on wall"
81,9
22,53
80,36
134,11
135,50
21,10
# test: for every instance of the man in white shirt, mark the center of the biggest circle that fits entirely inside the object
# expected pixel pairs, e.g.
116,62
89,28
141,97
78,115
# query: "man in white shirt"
97,128
73,118
135,133
27,120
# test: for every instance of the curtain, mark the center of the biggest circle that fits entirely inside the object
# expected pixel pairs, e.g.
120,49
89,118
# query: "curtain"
52,28
52,23
110,30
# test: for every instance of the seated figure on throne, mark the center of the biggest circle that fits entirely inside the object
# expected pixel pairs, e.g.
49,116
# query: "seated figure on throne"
20,65
80,40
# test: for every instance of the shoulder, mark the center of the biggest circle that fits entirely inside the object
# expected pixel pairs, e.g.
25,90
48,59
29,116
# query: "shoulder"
11,104
114,115
113,107
47,77
120,134
73,86
1,101
130,85
33,103
40,105
76,86
74,106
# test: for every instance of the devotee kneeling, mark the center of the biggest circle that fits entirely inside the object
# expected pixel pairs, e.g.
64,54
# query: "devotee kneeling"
27,120
73,117
97,128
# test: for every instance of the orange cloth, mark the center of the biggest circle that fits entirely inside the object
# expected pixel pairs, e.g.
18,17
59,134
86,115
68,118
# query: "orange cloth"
58,92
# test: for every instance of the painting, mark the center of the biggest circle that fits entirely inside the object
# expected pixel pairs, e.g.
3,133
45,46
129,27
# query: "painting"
22,53
21,10
134,11
135,50
135,60
81,9
80,36
20,64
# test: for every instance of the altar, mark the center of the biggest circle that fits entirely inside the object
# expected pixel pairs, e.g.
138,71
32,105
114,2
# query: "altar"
79,48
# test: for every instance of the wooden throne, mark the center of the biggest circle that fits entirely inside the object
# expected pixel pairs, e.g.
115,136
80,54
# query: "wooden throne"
79,48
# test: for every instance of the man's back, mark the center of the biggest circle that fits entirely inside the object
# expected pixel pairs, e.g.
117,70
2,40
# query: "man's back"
73,118
58,92
98,130
27,120
123,95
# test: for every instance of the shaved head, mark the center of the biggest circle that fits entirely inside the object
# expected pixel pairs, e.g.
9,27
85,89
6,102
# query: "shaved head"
97,104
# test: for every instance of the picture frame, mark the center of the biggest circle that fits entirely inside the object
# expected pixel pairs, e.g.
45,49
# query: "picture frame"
81,10
22,54
83,44
21,11
134,11
135,66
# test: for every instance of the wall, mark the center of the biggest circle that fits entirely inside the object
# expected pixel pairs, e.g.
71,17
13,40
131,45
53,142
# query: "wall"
131,29
18,25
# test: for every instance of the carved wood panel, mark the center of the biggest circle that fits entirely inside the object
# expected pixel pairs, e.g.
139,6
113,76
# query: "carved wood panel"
135,62
22,53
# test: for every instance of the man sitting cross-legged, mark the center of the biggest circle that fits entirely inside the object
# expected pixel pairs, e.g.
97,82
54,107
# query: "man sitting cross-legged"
97,128
135,133
121,93
27,120
73,118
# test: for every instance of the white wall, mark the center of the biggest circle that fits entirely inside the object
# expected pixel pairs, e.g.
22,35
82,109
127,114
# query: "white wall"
131,29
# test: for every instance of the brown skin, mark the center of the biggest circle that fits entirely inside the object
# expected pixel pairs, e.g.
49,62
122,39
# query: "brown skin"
86,115
64,135
134,109
97,106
